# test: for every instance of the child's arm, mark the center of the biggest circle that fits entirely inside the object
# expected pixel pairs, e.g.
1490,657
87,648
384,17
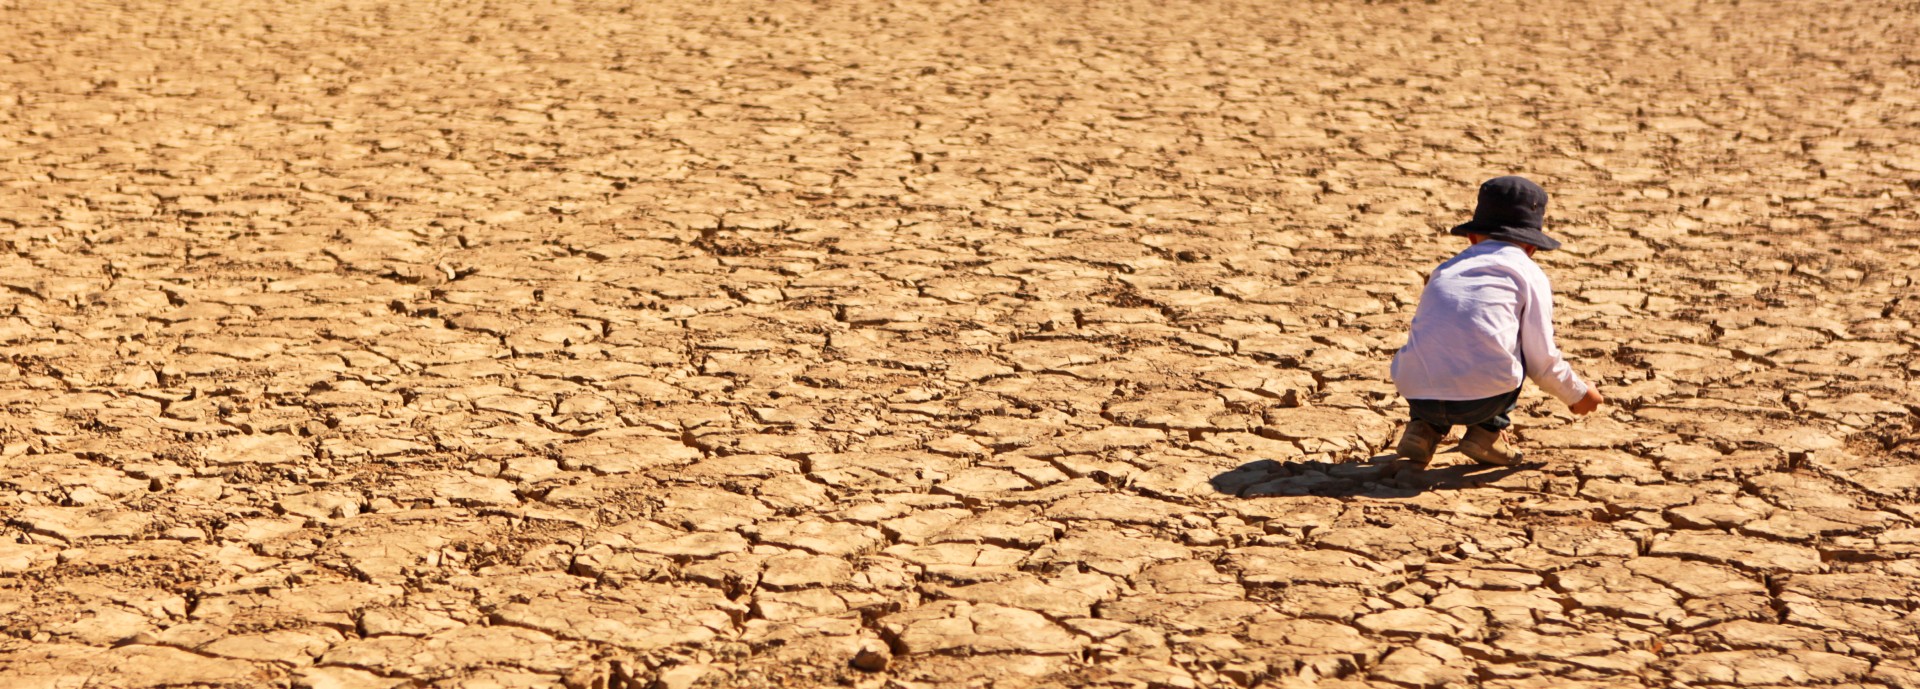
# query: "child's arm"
1545,365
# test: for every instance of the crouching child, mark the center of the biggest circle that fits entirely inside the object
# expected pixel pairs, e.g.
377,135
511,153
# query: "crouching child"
1484,325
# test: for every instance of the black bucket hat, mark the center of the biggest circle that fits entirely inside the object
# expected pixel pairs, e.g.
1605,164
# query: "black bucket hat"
1511,209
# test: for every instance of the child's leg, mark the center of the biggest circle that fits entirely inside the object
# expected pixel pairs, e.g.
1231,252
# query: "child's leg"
1434,413
1489,414
1489,417
1427,426
1500,421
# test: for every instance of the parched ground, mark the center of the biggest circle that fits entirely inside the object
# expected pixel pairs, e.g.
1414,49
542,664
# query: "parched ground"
355,344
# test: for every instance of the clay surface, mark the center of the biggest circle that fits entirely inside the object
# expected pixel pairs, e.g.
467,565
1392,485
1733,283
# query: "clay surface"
599,343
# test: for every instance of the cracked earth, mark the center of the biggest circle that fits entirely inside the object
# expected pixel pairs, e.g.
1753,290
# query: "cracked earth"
356,345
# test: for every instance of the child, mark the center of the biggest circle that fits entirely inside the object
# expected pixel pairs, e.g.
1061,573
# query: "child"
1484,322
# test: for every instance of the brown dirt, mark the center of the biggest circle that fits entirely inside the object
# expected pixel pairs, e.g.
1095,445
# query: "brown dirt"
473,344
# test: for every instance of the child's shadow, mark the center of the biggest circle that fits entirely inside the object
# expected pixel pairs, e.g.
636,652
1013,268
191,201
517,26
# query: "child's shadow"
1382,476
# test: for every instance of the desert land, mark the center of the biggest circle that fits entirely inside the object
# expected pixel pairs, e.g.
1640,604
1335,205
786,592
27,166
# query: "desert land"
616,344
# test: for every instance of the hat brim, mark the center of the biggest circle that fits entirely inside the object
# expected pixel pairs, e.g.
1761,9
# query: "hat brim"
1507,233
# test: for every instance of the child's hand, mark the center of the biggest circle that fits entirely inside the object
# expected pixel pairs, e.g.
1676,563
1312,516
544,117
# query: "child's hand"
1587,404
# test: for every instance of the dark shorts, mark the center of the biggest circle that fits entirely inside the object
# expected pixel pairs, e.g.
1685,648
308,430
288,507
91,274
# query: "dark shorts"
1489,413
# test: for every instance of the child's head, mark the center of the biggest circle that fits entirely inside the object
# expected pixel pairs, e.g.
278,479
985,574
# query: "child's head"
1511,209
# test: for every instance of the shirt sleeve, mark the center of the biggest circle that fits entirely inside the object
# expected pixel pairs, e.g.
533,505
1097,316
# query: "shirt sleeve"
1545,365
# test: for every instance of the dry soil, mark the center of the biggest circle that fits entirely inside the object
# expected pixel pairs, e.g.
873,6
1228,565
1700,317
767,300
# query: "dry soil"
358,344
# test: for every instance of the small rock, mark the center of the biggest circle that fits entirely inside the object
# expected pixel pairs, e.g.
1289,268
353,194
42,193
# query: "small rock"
681,677
873,656
185,533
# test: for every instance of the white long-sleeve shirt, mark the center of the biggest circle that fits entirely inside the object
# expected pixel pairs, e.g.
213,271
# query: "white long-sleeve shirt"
1481,314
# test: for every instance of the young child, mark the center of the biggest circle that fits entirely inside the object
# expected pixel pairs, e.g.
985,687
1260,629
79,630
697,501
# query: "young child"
1484,323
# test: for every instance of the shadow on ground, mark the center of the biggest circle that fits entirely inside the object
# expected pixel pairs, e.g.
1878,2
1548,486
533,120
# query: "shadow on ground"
1380,476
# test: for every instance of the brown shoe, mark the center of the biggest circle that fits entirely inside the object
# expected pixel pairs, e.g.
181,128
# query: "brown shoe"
1418,442
1487,447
